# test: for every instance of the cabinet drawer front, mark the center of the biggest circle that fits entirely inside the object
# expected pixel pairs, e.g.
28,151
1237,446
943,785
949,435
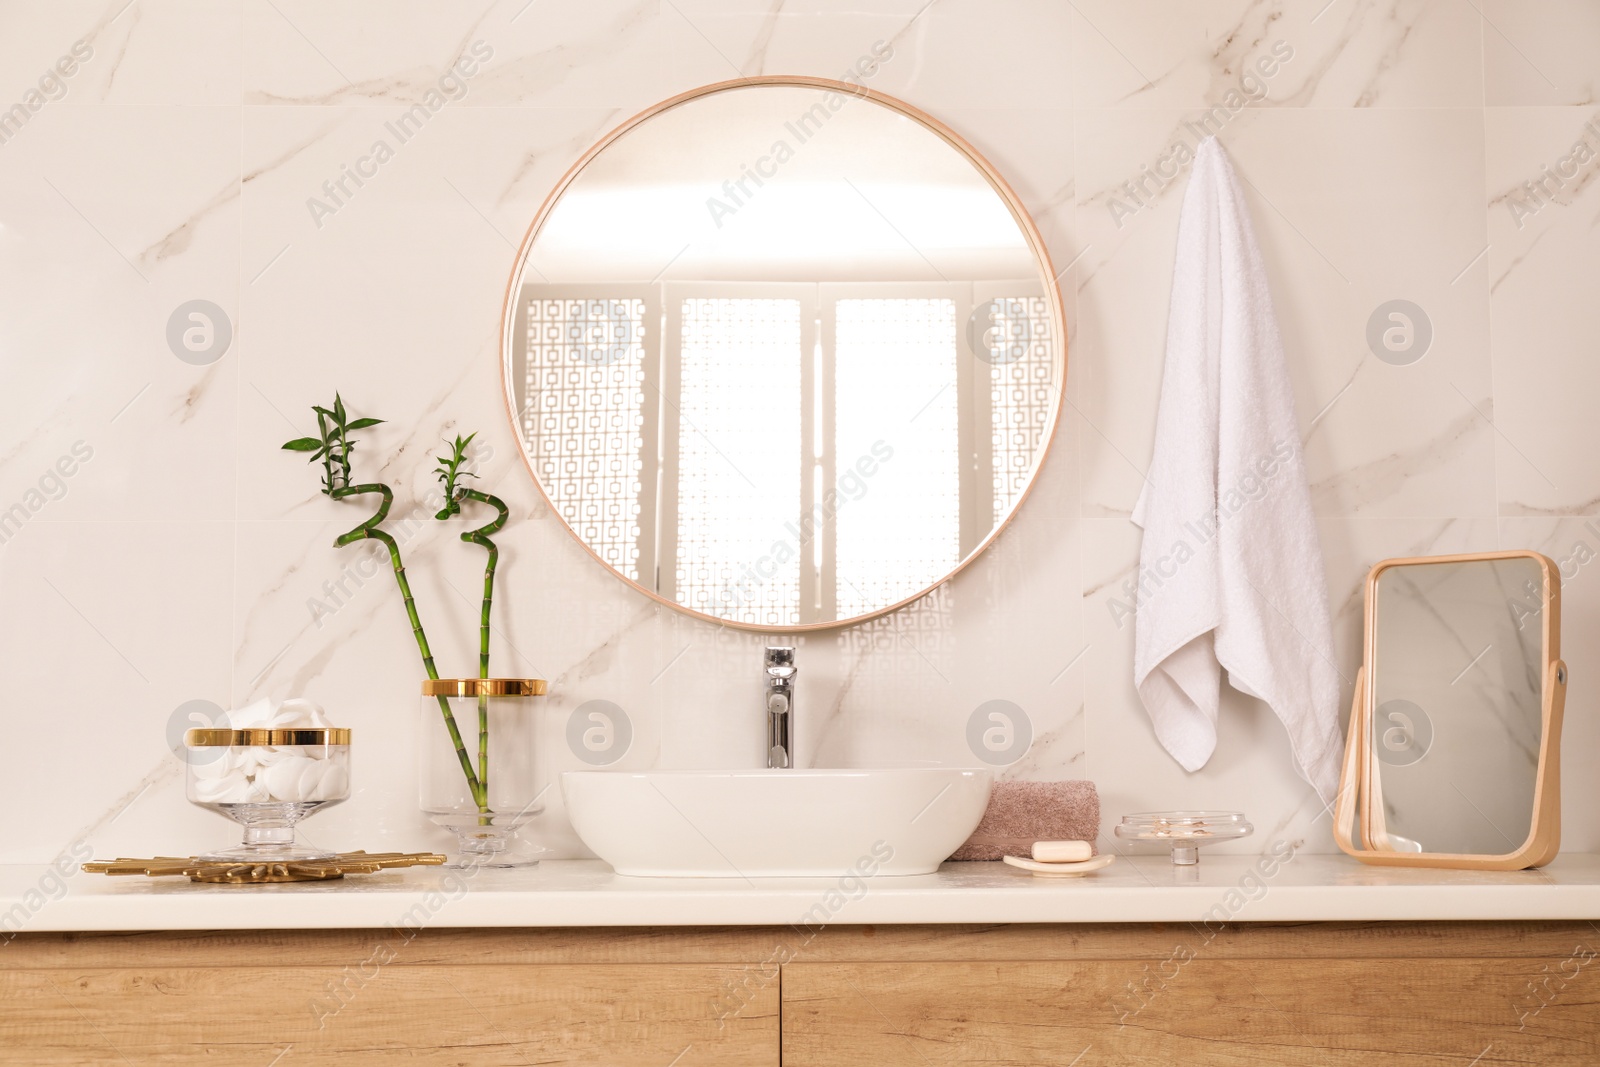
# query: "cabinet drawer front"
1191,1010
652,1015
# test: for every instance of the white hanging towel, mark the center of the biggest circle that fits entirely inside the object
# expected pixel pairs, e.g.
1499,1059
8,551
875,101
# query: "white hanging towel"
1230,569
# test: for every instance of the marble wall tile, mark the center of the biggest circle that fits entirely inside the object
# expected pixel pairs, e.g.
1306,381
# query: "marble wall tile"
1541,256
116,217
950,53
1344,53
527,53
173,52
187,160
1538,52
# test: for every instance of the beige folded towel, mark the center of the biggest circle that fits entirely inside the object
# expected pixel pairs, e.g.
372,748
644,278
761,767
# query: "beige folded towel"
1020,813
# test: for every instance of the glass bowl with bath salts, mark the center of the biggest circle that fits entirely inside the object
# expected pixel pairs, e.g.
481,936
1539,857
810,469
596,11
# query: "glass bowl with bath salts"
267,780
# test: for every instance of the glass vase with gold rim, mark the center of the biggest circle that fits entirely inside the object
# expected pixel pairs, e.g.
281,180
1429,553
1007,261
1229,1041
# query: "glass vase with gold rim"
477,773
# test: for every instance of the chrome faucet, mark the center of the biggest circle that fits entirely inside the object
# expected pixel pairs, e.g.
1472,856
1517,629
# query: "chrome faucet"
780,706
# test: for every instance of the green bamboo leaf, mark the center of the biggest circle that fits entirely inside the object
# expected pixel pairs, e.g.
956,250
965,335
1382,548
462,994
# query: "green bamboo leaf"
362,424
338,408
303,444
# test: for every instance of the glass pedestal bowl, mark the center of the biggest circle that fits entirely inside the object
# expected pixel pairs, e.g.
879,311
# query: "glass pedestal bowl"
1184,831
267,781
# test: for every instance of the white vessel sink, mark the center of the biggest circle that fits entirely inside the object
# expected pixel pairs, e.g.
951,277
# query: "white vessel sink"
770,823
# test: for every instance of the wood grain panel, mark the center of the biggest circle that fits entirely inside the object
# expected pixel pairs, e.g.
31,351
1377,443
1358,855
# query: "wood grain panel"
1344,994
1284,1013
483,1016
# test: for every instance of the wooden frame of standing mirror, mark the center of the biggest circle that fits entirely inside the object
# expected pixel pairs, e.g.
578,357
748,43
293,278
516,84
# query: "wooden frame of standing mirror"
1478,638
692,142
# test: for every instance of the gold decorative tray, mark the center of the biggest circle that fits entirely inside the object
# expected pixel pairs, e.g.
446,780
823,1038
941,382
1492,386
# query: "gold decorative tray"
237,873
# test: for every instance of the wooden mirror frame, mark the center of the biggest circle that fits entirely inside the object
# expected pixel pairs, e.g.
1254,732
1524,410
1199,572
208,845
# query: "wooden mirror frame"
1013,202
1356,780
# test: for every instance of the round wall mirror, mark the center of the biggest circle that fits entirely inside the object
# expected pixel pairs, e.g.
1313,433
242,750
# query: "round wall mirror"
783,353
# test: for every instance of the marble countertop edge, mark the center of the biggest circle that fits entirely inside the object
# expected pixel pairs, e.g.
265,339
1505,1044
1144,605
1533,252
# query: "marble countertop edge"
573,893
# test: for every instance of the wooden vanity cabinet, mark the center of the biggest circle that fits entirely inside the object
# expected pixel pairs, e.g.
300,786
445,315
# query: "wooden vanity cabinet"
445,998
1396,994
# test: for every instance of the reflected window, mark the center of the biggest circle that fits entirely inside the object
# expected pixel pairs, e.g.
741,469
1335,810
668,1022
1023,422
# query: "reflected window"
896,461
738,469
784,453
1018,352
583,416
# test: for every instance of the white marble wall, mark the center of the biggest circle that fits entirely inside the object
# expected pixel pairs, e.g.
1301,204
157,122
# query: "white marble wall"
1386,161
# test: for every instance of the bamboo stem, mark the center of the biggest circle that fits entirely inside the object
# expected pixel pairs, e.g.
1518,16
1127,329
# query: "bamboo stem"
480,536
369,531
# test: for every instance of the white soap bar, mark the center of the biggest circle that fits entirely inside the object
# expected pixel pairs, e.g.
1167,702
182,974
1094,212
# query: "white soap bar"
1062,851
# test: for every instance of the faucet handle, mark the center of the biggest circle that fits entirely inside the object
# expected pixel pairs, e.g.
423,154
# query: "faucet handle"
780,661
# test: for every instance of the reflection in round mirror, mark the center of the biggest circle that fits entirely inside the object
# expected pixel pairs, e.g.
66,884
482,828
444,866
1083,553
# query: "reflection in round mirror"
784,354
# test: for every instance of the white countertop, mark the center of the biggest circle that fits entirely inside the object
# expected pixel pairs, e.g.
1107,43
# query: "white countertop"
1308,887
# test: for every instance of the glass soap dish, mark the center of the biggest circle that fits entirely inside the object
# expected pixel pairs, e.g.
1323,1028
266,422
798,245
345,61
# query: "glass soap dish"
1184,831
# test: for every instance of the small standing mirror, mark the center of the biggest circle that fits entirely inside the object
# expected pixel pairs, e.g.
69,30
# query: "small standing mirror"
1452,758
